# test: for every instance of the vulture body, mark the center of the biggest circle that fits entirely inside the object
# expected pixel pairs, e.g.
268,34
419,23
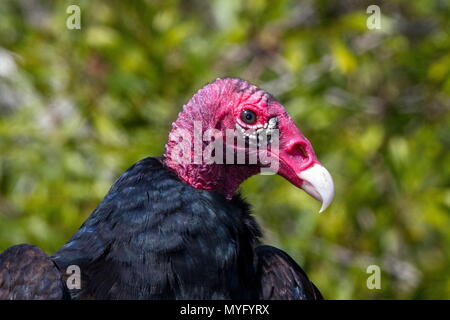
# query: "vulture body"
160,233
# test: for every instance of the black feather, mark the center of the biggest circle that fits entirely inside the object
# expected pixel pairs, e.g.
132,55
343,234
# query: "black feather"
281,278
155,237
27,273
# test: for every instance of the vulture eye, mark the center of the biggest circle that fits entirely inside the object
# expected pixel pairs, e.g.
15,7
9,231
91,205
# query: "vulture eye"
248,116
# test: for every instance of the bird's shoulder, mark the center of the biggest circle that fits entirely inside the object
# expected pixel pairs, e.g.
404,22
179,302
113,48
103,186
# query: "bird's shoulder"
26,272
281,278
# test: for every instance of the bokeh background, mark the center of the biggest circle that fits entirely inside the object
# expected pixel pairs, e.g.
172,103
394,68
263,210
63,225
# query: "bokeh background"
78,107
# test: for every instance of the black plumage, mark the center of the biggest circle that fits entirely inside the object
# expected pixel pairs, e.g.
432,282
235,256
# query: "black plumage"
155,237
27,273
281,278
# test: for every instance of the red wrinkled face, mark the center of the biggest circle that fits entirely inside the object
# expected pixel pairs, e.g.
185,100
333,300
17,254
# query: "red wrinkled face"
256,114
262,123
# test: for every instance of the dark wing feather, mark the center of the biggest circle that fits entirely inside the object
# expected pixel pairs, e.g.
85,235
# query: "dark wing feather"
27,273
281,278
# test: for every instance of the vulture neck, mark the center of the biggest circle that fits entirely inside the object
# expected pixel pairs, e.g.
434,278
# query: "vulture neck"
222,178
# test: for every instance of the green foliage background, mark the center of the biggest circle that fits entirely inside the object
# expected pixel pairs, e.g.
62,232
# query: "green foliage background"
78,107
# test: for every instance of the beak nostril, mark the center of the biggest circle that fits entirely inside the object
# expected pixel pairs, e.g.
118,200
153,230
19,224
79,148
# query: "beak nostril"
298,149
303,151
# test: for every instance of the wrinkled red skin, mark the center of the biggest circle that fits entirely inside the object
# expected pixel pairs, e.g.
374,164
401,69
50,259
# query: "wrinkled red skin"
219,105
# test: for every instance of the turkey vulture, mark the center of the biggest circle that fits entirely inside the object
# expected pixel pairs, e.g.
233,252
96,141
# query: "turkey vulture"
175,229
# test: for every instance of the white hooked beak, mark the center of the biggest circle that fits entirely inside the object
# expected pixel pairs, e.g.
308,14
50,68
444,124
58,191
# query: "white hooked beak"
317,182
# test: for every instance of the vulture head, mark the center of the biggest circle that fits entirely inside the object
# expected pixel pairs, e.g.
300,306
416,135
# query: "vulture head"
231,130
